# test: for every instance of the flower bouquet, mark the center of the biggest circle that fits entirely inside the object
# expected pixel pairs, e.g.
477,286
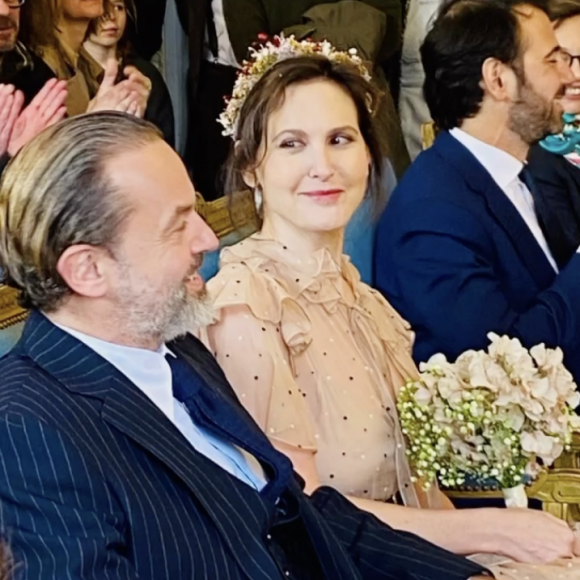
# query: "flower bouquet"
501,415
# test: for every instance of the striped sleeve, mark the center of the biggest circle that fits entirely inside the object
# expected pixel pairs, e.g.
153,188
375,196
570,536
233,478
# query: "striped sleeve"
55,509
383,553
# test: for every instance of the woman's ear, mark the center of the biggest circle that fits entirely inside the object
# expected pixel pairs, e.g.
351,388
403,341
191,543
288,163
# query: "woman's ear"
249,178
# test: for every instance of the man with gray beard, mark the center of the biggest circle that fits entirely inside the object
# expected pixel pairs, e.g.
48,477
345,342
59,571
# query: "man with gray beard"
461,250
124,452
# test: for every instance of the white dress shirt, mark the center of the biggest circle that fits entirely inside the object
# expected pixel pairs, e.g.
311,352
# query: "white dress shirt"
150,372
504,169
226,55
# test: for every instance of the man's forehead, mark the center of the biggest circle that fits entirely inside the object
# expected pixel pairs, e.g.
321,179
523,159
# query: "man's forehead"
537,32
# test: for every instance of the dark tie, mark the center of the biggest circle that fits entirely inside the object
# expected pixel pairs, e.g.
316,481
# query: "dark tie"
213,411
539,205
211,30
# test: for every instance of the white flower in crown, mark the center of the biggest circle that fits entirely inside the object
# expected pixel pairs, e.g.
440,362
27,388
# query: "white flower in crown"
265,57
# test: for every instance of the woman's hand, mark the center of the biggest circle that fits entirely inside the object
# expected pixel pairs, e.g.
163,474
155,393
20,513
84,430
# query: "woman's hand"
44,110
127,96
530,536
140,87
10,105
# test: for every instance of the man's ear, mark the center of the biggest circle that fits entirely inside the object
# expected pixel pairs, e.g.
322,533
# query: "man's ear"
498,80
83,269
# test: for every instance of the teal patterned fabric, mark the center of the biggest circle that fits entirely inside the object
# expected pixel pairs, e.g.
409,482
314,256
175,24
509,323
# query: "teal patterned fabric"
566,142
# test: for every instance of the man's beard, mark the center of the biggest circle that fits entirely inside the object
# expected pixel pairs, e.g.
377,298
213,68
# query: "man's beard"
148,313
8,24
533,117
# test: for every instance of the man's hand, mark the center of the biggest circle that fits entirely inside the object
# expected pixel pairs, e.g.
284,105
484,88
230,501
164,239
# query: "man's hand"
44,110
127,96
10,105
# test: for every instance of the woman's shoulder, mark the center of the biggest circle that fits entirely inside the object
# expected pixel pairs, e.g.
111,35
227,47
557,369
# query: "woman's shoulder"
250,276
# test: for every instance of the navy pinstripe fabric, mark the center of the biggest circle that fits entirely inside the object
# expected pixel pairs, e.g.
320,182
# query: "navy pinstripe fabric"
96,483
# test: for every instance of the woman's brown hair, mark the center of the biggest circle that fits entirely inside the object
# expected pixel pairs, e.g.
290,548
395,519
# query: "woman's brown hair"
267,96
560,10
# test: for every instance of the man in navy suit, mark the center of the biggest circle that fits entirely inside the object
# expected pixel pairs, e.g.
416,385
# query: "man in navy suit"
124,453
460,250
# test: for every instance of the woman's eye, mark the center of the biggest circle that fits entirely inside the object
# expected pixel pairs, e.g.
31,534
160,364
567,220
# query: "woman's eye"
341,140
290,144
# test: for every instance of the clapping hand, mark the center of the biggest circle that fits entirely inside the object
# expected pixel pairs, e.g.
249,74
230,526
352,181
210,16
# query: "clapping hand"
10,105
44,110
17,127
128,96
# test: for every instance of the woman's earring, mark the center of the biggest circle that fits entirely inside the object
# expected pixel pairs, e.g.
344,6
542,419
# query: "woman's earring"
258,199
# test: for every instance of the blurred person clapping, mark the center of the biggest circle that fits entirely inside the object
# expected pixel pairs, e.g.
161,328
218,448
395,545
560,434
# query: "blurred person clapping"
18,125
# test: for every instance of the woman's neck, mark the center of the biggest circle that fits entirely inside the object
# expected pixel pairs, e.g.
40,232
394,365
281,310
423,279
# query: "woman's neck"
303,243
102,54
72,32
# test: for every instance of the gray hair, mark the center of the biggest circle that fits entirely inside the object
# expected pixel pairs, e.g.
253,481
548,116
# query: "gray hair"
55,194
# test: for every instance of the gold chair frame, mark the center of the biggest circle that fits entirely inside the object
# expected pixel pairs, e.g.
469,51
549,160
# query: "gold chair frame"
10,311
226,215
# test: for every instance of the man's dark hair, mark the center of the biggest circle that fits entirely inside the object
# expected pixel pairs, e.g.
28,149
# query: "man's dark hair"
464,35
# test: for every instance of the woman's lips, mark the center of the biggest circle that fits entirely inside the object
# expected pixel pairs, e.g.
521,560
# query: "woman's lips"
324,195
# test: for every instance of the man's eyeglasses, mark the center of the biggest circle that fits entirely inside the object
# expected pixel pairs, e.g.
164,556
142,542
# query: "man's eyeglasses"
14,3
570,58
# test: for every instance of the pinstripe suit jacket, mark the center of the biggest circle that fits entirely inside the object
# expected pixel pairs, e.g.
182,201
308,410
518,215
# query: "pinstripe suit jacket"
95,483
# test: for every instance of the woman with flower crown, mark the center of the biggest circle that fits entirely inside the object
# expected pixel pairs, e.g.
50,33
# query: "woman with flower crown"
314,354
555,162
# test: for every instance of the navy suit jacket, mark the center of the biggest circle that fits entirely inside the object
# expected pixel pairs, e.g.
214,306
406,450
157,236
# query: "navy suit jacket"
95,482
455,258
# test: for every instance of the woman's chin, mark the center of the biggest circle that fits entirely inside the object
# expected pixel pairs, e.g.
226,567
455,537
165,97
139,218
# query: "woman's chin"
571,105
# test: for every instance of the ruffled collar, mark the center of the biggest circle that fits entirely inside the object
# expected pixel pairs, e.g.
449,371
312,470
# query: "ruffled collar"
566,142
318,279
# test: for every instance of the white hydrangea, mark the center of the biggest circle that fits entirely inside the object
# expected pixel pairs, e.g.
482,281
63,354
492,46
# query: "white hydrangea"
502,413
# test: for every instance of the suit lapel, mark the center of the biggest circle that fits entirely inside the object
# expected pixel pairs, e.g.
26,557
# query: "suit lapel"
129,411
501,208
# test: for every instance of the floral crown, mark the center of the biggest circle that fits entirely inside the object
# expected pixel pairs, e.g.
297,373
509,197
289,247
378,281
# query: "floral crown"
265,57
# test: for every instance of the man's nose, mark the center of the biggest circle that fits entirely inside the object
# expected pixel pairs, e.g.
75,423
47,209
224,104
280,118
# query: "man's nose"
204,239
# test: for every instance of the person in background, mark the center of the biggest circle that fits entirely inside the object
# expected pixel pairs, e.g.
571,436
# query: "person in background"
25,82
554,163
413,109
107,39
18,66
59,44
460,249
18,126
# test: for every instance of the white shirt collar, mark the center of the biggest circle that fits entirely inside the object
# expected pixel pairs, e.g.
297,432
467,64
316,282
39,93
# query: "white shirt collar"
146,369
502,166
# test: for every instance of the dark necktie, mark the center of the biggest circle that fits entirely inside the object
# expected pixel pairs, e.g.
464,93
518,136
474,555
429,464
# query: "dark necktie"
539,206
212,39
211,410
